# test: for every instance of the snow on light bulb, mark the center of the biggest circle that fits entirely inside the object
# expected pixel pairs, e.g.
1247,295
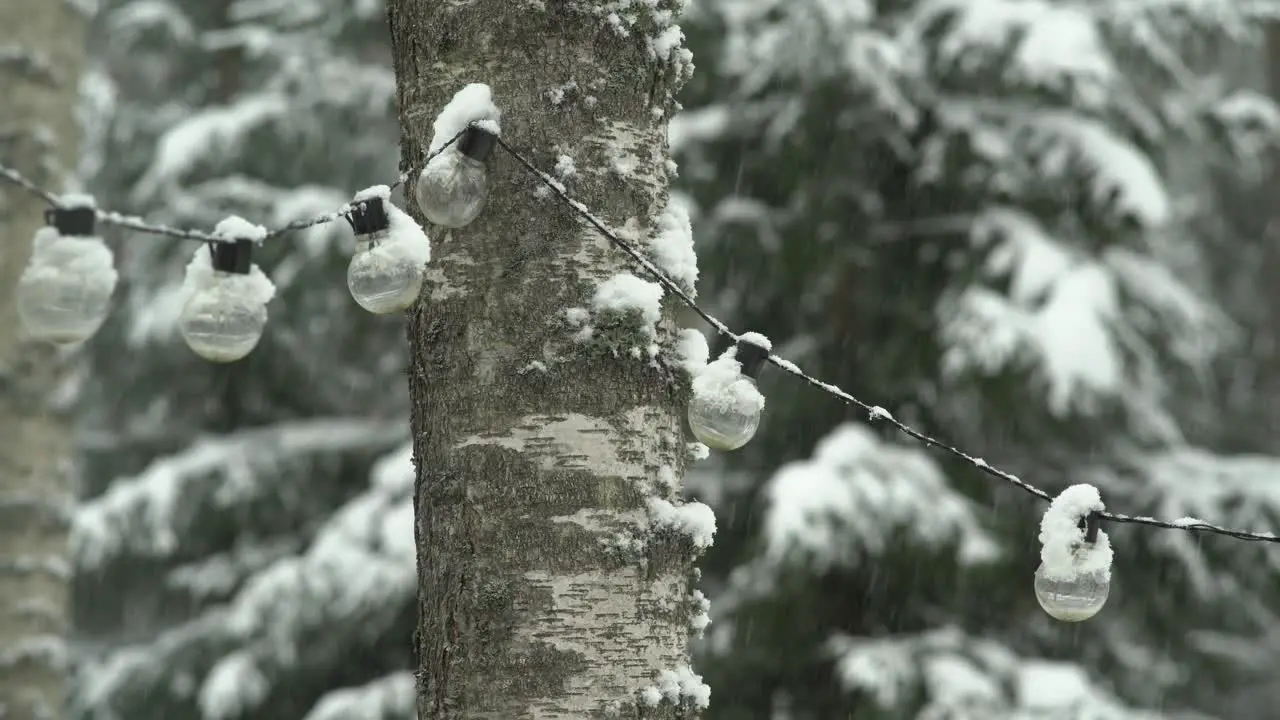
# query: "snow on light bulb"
725,409
65,290
227,295
454,186
1074,577
387,269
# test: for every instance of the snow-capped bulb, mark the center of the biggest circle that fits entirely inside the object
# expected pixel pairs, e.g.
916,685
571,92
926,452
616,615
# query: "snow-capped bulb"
226,308
454,186
65,290
1074,577
387,269
725,409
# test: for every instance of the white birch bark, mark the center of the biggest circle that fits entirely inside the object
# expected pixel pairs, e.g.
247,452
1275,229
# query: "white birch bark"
546,589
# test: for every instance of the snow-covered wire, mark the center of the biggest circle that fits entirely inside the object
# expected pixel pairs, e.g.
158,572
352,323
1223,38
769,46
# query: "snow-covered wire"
17,178
137,224
874,412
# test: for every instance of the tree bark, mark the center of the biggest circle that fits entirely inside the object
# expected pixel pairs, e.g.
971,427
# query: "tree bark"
41,55
544,589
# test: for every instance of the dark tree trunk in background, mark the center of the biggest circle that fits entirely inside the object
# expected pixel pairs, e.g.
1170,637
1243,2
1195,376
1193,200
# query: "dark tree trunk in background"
42,45
543,591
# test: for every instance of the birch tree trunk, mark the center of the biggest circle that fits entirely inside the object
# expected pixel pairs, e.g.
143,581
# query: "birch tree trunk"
41,55
544,589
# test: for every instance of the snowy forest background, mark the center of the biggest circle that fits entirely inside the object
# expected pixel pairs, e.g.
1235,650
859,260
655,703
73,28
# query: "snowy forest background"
1034,228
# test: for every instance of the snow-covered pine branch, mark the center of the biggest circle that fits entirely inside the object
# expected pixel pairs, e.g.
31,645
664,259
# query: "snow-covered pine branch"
153,514
299,616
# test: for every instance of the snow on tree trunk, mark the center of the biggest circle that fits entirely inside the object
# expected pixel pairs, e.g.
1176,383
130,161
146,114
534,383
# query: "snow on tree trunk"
555,578
41,53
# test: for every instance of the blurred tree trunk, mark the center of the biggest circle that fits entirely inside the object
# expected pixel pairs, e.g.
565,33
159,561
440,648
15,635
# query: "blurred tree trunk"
535,600
42,45
1267,349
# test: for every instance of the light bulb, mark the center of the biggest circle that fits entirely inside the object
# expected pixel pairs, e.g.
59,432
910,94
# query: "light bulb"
382,280
220,324
1074,577
63,305
721,424
454,186
726,406
65,290
226,308
1073,600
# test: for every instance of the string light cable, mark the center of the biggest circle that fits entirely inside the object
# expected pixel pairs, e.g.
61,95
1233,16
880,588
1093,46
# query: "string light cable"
875,413
386,275
137,224
1073,580
64,293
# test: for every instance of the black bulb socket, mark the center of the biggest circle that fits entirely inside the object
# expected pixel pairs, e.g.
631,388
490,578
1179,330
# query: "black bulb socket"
235,257
477,143
751,357
369,216
72,222
1090,524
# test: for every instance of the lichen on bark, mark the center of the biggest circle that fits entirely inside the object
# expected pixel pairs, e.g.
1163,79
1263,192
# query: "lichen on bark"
527,479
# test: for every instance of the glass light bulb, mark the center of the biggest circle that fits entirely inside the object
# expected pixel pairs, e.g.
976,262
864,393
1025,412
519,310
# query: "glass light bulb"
382,281
64,304
1073,600
722,425
453,189
221,325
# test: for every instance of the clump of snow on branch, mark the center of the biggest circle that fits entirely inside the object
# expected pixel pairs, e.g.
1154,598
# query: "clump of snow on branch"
1252,124
216,576
682,687
966,676
235,686
1065,143
1059,308
626,293
1053,40
1063,550
721,385
848,500
393,696
1069,314
146,514
405,239
472,104
211,132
